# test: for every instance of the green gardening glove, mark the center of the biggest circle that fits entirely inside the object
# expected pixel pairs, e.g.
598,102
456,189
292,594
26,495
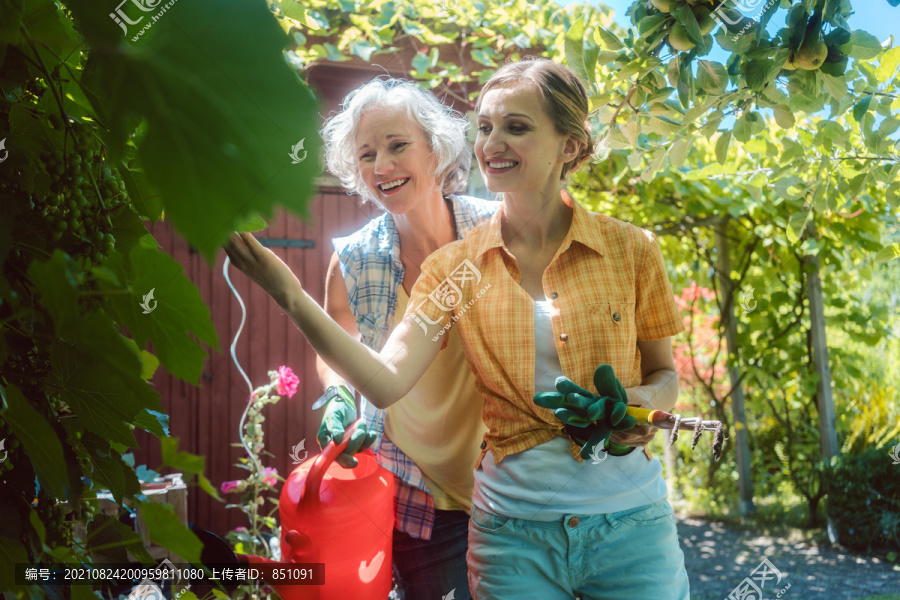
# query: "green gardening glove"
340,413
608,384
589,418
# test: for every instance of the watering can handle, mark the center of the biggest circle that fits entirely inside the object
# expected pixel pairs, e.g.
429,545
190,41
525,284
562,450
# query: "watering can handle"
314,477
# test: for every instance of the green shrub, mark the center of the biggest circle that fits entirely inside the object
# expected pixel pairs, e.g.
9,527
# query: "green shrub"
864,499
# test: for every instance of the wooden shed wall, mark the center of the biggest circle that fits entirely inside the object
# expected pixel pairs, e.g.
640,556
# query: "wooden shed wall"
206,418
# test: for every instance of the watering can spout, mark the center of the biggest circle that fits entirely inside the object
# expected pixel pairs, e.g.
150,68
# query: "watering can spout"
252,559
299,547
217,551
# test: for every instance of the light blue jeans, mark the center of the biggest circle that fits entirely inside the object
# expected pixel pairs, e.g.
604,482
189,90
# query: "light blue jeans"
616,556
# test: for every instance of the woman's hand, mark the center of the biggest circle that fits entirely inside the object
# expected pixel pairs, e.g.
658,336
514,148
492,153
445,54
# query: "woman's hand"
383,378
261,265
639,435
658,389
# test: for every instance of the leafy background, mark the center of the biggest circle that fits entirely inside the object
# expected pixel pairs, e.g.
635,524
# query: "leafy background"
792,174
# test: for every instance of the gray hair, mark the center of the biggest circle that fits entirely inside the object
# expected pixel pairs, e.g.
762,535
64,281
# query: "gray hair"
444,128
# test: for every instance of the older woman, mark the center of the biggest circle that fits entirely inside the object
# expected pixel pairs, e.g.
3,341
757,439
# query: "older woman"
543,289
396,146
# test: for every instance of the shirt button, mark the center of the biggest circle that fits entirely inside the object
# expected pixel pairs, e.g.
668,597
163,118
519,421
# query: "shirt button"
554,295
483,445
573,522
564,337
616,317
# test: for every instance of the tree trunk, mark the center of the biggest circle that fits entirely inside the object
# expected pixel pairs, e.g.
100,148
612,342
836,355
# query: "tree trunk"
828,442
812,504
742,445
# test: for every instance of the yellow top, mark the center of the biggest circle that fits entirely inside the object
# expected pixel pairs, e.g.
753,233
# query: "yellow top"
439,425
608,289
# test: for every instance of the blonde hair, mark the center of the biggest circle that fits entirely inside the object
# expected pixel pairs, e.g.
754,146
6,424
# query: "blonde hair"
444,128
563,95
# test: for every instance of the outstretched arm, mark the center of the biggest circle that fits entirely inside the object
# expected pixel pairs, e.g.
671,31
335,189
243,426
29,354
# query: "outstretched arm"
337,305
383,378
659,383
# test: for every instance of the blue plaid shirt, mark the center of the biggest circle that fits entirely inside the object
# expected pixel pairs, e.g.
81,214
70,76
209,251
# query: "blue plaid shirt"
370,263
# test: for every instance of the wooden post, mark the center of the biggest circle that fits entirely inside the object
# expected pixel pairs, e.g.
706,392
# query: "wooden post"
742,445
828,442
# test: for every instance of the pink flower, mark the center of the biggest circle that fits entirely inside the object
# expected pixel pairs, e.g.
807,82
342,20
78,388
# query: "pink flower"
287,382
269,474
230,486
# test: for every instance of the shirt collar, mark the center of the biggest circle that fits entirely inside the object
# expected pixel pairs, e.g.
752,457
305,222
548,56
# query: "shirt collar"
389,237
583,230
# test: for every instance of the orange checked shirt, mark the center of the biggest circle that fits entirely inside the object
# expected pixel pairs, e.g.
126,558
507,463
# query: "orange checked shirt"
608,287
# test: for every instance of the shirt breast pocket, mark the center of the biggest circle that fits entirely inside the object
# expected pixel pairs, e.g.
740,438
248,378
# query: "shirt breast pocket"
614,333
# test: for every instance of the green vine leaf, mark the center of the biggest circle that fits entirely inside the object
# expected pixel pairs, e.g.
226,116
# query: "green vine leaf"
165,529
97,391
39,440
110,470
722,147
712,77
240,112
187,463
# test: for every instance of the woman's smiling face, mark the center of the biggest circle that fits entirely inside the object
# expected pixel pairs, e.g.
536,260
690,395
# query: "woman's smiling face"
518,147
395,159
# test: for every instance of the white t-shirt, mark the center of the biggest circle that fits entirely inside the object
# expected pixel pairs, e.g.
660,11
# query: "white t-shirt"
545,483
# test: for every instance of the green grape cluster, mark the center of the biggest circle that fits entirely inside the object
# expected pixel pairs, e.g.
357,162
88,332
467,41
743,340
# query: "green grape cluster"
31,362
53,515
84,192
70,204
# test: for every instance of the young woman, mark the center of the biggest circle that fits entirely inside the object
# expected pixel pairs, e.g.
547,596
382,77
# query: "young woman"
542,289
398,147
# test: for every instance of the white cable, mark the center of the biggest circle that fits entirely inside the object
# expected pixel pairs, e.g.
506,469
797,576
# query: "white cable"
238,365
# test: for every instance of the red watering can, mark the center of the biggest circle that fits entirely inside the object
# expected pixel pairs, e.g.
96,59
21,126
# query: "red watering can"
341,517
